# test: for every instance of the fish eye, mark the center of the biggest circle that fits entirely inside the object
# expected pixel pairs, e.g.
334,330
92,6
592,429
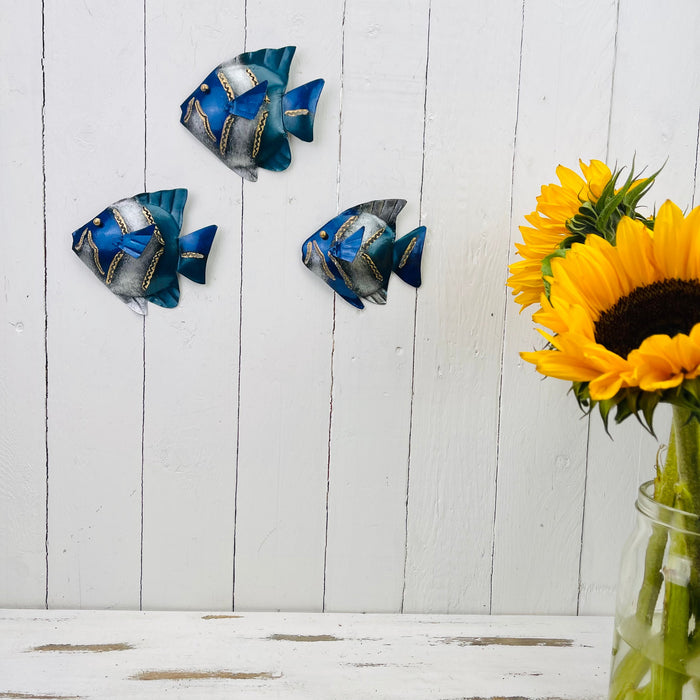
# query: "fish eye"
97,221
323,235
204,87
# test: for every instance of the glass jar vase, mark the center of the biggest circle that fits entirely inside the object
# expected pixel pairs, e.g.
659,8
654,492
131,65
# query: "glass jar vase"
656,647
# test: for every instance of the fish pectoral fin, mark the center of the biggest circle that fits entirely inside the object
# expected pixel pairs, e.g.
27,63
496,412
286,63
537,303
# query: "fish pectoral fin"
135,242
349,247
248,104
299,109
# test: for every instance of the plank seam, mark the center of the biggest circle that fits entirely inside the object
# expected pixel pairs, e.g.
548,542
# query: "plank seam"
46,310
695,173
240,355
335,296
415,311
143,321
505,309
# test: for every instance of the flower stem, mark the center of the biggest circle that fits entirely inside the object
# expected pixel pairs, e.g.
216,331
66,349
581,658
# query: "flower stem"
664,492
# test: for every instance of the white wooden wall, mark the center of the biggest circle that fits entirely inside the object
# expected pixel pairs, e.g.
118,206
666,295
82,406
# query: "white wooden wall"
263,445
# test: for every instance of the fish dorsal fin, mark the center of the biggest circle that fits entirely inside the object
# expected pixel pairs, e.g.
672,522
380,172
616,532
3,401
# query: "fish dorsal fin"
277,61
385,209
172,201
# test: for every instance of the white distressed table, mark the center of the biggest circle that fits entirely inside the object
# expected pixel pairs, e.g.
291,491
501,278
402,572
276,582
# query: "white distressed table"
66,655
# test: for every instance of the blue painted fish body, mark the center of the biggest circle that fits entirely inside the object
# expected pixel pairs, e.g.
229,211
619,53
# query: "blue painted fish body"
356,252
242,114
134,247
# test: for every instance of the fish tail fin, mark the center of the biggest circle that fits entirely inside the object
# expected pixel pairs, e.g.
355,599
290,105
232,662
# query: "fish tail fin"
194,251
408,251
299,109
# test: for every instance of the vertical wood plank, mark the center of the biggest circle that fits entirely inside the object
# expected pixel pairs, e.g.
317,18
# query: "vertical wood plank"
381,157
94,156
286,334
663,125
191,350
469,152
22,358
563,116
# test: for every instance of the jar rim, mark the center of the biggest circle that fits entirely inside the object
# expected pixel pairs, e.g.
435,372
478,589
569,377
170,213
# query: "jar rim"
672,517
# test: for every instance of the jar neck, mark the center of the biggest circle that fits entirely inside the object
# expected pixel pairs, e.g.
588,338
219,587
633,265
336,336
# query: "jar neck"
665,515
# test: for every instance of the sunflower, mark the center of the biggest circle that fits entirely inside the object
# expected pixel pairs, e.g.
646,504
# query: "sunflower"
567,213
624,319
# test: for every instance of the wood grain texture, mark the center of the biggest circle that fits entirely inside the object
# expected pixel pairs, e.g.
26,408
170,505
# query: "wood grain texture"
542,444
383,87
267,655
466,194
22,356
191,351
264,444
94,157
286,334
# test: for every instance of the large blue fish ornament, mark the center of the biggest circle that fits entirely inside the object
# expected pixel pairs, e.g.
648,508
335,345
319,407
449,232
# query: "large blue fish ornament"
134,247
242,113
356,252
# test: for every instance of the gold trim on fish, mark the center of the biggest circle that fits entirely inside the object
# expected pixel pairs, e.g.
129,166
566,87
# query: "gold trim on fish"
226,85
296,112
95,253
113,266
152,221
372,238
341,231
191,255
79,244
259,132
407,252
252,77
225,132
188,114
119,219
343,274
151,269
324,266
205,120
372,267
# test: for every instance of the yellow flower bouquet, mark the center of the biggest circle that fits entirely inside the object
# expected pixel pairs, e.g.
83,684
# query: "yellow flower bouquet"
618,297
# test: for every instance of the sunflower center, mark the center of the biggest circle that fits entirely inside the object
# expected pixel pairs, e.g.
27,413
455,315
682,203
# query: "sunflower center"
667,307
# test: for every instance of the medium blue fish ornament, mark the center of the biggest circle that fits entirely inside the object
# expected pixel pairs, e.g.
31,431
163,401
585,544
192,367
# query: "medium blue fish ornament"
356,252
134,247
242,113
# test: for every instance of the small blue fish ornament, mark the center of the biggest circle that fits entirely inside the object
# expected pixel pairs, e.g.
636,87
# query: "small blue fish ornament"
134,247
356,252
242,113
